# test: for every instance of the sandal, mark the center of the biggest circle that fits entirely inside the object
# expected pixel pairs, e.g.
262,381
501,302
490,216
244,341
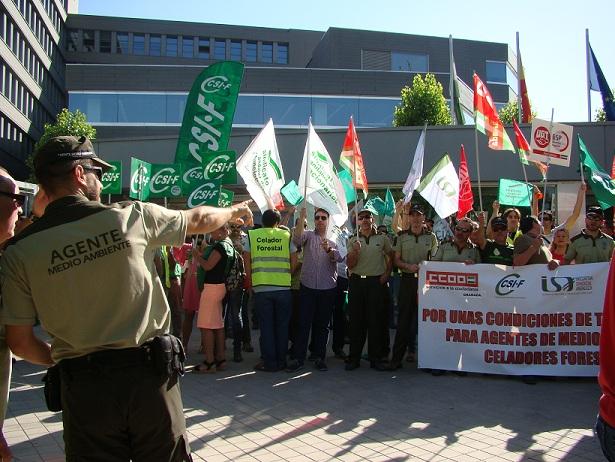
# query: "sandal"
221,365
204,368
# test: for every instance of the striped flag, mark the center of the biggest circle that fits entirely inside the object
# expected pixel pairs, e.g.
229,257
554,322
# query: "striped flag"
487,119
352,160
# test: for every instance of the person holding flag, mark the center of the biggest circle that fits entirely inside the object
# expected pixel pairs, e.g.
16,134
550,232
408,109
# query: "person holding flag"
591,245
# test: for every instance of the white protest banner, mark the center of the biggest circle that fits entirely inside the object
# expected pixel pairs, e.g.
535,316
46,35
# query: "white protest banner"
551,146
524,320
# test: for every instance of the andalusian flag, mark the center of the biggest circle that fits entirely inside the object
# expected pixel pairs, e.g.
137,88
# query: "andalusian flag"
352,160
526,110
440,187
598,179
487,119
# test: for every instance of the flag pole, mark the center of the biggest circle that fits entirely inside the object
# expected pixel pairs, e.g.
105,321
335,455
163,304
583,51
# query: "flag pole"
450,81
587,58
354,184
519,96
480,194
544,181
109,199
307,164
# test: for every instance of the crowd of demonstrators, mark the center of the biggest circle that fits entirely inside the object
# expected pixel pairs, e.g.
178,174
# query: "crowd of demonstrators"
86,271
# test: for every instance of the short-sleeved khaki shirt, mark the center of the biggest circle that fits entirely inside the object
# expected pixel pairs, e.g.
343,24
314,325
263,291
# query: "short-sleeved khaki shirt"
584,248
371,260
414,249
86,270
542,256
448,251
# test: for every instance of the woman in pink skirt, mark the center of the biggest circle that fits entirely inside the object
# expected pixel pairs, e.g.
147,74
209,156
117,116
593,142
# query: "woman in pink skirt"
191,296
215,263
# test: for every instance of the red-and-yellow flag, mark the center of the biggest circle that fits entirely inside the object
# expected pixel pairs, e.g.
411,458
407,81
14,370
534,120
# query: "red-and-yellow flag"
526,110
466,199
487,119
352,160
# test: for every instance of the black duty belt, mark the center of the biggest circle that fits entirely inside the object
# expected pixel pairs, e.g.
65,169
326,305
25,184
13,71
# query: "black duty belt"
409,275
360,276
118,358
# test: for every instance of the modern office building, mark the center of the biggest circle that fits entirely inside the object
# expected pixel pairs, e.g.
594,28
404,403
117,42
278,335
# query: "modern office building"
32,82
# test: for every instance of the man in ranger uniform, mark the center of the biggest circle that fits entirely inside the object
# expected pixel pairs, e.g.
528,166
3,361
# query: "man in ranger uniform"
86,270
411,247
591,245
268,262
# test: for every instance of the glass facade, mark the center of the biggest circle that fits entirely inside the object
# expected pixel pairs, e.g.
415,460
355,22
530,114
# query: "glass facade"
105,41
267,52
496,71
122,43
251,51
220,49
187,47
155,45
236,50
282,53
252,110
138,44
204,48
171,45
413,62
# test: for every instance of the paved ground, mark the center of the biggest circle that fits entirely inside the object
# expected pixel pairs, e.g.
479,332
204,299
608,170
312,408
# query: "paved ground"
349,416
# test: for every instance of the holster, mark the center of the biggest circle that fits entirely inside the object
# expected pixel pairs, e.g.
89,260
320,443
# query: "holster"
168,355
53,388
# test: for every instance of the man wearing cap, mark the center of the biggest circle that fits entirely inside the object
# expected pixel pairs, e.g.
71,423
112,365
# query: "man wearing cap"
86,270
411,247
591,245
460,249
497,251
369,260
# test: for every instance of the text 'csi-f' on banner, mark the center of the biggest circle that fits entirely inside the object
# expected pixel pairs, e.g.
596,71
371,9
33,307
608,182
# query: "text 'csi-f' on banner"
511,320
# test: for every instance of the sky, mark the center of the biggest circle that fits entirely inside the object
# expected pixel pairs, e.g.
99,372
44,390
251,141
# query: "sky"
552,33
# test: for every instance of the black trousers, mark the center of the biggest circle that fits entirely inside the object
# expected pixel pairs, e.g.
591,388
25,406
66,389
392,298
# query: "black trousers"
118,410
407,320
368,317
340,319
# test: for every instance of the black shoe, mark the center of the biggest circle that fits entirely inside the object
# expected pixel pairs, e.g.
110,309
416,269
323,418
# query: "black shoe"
339,354
261,368
237,357
352,365
321,365
294,366
379,365
437,372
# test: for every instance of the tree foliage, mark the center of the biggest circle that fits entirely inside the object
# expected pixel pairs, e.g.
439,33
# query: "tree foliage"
510,112
600,115
422,103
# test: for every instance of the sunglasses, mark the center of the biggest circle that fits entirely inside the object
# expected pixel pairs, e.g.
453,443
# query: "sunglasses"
96,171
364,217
593,217
461,229
547,219
19,199
320,217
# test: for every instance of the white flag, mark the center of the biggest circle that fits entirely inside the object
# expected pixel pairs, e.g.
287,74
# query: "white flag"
318,180
416,171
261,169
440,187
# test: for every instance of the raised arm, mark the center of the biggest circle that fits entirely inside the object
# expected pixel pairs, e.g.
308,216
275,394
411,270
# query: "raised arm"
205,219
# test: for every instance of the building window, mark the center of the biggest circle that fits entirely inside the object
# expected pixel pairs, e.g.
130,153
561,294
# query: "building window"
267,52
220,49
204,48
282,53
412,62
88,40
251,49
155,45
496,71
121,39
138,44
188,47
171,45
73,39
105,41
236,50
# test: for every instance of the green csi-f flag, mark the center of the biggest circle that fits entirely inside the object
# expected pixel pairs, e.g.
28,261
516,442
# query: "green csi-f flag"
207,193
191,177
220,166
140,174
112,179
599,180
165,180
515,193
208,117
389,204
226,197
346,179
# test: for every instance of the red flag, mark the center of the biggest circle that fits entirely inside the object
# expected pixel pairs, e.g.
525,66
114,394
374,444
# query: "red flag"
466,199
606,377
526,110
613,169
524,150
351,158
487,119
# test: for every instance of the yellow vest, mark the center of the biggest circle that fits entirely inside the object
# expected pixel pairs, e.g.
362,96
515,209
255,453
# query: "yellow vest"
270,257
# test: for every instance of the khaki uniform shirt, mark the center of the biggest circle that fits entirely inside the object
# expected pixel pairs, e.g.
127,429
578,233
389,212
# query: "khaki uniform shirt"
585,249
448,251
414,249
371,261
542,256
86,270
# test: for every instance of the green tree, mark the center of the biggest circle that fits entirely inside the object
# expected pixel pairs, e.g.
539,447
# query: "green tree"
510,112
600,115
67,124
422,103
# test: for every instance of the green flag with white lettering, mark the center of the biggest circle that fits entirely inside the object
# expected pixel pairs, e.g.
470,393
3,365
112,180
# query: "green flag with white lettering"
226,198
165,180
220,166
208,117
112,179
597,178
140,174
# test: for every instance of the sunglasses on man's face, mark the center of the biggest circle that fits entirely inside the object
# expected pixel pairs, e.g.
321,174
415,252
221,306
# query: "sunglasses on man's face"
320,217
96,171
364,217
19,199
461,229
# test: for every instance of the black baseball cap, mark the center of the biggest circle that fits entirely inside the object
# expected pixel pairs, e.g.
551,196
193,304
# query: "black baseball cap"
594,210
498,221
416,208
67,148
